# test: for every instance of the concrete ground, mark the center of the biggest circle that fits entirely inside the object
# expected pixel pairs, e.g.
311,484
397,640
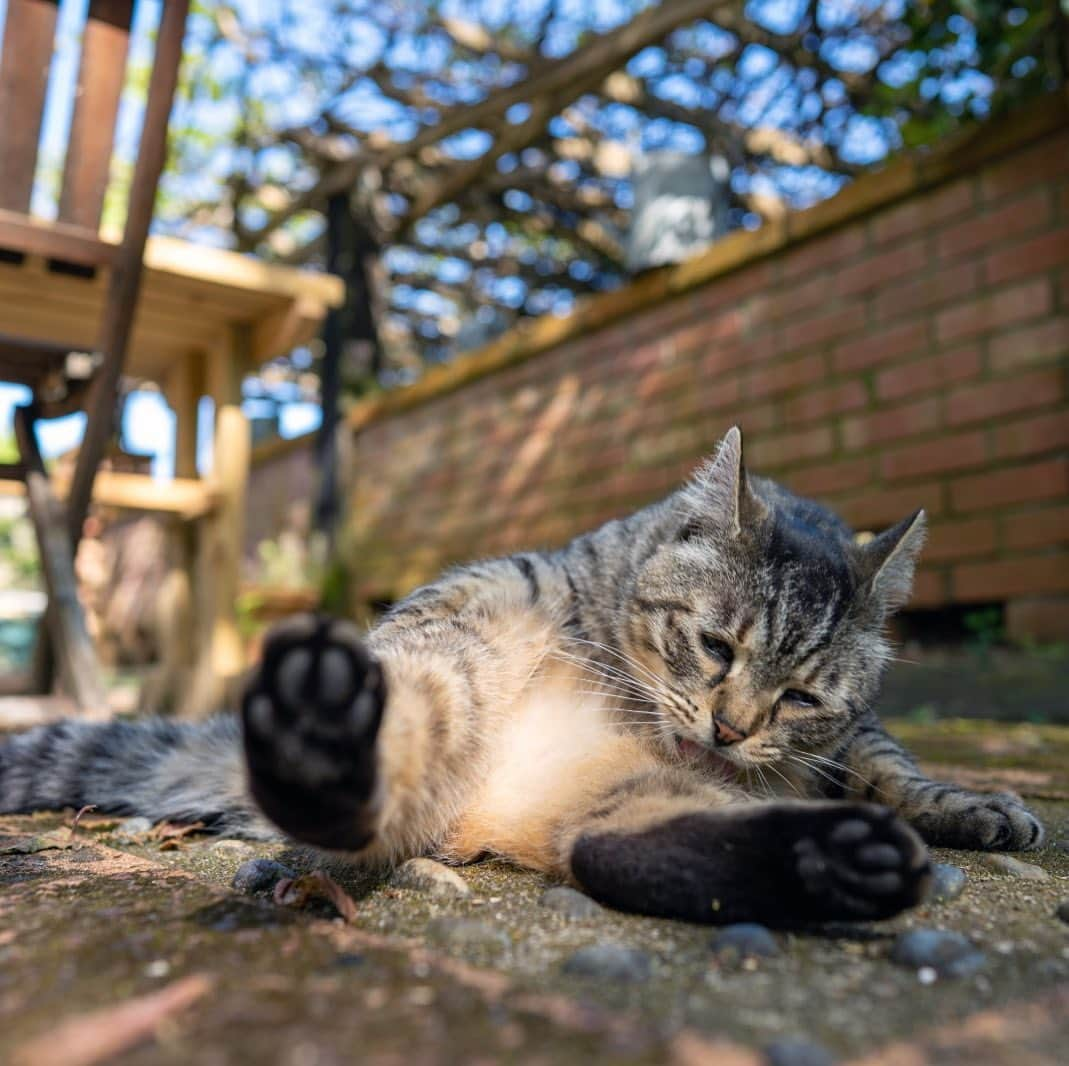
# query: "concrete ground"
136,946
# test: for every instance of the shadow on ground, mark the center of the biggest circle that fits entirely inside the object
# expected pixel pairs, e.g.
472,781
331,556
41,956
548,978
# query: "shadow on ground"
484,978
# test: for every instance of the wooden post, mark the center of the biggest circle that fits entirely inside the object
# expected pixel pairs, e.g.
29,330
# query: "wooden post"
73,650
124,284
220,654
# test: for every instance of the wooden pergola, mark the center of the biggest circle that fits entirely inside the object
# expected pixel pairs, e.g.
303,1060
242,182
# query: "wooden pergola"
78,312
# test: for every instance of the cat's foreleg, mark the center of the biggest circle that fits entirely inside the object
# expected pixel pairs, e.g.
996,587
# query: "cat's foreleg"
877,768
372,748
653,851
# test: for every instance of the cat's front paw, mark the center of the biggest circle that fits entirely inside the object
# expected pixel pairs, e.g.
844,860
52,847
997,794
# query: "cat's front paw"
1001,822
981,821
311,714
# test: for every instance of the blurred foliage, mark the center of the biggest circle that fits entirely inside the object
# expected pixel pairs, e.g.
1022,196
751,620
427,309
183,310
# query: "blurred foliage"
486,147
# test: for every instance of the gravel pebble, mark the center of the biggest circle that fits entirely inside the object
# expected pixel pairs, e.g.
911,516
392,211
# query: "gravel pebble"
570,903
745,940
610,962
259,876
133,827
797,1052
937,953
467,933
434,878
1062,910
948,882
1006,864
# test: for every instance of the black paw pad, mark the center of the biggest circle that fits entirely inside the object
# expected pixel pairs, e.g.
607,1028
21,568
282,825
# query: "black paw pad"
311,715
861,862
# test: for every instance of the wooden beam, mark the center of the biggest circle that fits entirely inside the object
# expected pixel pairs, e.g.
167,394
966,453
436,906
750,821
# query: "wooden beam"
125,281
29,31
54,240
78,667
185,498
183,389
96,106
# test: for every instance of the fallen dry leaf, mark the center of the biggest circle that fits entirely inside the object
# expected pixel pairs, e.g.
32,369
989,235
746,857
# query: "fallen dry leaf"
171,831
53,840
297,891
90,1038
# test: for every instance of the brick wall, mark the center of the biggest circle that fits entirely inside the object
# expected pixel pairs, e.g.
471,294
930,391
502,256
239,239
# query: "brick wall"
903,345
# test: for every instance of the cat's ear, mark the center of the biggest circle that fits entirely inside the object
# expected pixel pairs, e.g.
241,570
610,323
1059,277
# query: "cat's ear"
718,498
888,561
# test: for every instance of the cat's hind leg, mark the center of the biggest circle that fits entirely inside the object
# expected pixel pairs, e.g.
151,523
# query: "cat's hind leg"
781,863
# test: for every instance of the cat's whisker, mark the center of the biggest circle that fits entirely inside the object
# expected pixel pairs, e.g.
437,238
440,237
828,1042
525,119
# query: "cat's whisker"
833,763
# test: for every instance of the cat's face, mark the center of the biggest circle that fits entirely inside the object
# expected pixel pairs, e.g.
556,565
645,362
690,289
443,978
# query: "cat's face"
760,624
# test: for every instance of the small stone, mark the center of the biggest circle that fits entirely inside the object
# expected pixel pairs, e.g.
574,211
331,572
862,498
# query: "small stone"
133,827
1062,910
571,904
948,882
744,940
433,878
235,847
468,933
946,953
1006,864
798,1052
610,962
259,876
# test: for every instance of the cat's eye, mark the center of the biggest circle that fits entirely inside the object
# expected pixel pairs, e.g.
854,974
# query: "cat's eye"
719,649
800,698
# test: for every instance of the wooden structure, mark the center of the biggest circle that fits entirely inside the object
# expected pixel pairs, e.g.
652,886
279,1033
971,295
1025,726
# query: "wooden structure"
78,311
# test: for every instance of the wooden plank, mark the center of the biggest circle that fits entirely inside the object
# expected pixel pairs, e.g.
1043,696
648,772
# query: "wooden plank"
73,650
24,64
18,713
96,106
187,498
183,389
53,240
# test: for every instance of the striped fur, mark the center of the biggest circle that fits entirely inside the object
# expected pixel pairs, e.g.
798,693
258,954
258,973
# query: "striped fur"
721,647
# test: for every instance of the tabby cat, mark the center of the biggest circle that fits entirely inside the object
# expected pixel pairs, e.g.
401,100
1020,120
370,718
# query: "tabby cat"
673,712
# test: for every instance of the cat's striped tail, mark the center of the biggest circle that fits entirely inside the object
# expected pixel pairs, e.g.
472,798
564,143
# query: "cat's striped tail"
162,769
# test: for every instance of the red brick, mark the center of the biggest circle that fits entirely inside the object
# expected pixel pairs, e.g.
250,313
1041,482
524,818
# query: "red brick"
929,373
994,311
1027,212
1036,529
768,453
824,401
1036,164
942,287
876,271
828,479
825,327
824,251
1004,396
894,423
997,580
929,588
939,455
1032,436
924,211
789,300
1047,480
784,375
880,507
1033,344
881,346
1038,618
1029,257
960,540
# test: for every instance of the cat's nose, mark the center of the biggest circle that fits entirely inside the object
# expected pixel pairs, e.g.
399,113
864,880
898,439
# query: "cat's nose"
725,733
